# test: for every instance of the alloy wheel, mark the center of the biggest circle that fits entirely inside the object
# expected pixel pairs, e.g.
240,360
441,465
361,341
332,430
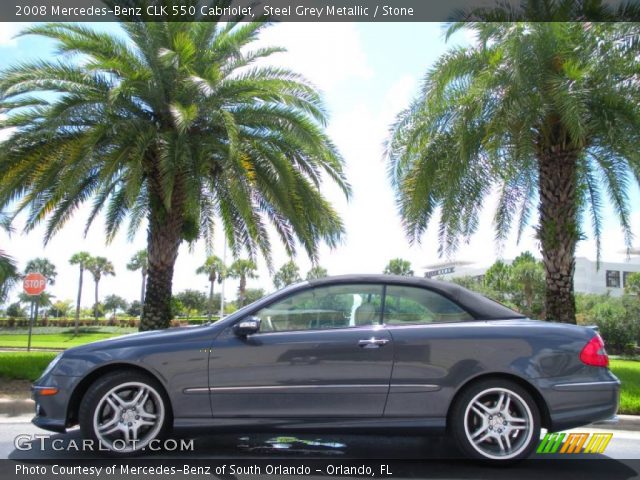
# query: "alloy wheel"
128,417
498,423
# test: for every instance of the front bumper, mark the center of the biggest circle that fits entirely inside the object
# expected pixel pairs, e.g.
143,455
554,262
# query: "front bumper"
52,412
51,424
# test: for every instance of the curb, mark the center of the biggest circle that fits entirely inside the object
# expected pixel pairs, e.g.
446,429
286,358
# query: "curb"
15,407
625,422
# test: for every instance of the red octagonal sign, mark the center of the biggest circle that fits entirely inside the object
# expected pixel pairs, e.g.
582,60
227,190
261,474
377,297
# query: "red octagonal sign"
34,283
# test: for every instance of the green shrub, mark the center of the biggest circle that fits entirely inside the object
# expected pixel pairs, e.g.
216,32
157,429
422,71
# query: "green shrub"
617,327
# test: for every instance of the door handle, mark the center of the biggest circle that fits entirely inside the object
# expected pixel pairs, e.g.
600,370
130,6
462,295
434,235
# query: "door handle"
372,342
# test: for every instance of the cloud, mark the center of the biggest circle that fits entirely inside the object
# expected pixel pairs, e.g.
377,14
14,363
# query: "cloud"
5,132
326,53
9,30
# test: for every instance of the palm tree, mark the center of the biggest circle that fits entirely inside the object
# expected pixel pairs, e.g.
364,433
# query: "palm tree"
8,275
527,275
48,270
114,302
140,261
173,125
547,115
213,268
288,274
43,266
317,272
8,270
99,267
80,259
243,269
36,302
398,266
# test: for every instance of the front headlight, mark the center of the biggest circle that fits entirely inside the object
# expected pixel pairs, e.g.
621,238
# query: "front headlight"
52,365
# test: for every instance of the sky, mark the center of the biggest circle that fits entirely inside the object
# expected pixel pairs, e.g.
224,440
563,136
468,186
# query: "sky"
367,72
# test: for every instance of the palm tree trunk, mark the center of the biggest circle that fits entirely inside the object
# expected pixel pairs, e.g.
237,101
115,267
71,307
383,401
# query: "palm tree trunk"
243,289
529,298
95,305
210,309
144,282
558,231
164,236
163,251
37,310
79,300
163,239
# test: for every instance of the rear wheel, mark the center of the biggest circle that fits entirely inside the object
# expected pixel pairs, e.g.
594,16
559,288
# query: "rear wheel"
123,412
496,420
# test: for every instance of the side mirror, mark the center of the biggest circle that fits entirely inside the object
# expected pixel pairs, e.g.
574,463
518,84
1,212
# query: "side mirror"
247,326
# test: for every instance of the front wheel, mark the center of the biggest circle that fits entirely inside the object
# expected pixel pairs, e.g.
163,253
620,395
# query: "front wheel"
123,412
496,420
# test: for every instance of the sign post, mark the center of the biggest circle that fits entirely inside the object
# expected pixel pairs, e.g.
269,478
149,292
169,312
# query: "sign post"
33,285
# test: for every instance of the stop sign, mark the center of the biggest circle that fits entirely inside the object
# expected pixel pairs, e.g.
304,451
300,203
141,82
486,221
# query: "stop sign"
34,283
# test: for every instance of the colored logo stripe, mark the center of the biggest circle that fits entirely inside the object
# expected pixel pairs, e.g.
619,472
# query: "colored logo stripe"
551,442
598,442
574,443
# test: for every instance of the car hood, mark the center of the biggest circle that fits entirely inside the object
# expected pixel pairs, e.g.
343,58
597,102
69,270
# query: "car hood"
151,337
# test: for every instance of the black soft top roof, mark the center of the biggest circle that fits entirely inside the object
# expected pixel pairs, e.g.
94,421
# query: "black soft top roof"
480,307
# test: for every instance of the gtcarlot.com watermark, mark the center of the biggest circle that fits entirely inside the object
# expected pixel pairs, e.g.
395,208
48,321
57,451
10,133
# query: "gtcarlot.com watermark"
45,442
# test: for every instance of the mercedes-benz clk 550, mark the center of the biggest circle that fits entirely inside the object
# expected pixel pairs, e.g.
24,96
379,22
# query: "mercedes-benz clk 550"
356,353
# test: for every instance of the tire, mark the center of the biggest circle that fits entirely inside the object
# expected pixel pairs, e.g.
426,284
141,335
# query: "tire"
122,412
495,420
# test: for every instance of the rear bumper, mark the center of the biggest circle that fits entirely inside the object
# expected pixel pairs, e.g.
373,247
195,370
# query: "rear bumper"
577,418
576,404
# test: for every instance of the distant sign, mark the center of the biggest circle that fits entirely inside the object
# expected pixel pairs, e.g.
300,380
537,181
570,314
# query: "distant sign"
441,271
34,283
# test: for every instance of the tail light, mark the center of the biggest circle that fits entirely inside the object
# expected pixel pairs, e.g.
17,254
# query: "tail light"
594,354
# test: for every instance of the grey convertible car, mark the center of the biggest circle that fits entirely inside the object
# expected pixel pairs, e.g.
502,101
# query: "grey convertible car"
357,353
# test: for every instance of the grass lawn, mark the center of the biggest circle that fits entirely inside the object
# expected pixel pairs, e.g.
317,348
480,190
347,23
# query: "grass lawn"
628,371
53,340
24,365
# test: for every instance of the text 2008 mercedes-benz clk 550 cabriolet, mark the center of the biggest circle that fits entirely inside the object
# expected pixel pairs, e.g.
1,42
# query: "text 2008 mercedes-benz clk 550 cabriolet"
357,353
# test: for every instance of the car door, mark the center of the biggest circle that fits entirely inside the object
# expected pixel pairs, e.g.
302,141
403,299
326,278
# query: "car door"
320,352
432,348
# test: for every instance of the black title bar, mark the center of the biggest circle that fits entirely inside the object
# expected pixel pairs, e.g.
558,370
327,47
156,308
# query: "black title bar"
316,10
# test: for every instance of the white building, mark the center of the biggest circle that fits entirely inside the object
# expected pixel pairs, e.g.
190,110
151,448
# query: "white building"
588,278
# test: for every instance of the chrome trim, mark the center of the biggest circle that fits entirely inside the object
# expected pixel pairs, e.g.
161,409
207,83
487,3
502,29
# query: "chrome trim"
414,385
288,387
584,385
397,388
196,390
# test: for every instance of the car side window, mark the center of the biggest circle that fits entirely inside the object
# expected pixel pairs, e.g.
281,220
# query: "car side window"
337,306
414,305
